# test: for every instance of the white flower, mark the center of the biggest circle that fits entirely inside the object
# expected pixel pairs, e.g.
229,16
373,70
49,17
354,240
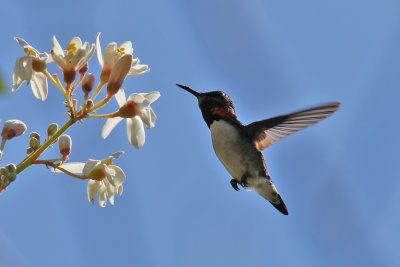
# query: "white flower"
113,54
73,59
30,69
105,178
142,112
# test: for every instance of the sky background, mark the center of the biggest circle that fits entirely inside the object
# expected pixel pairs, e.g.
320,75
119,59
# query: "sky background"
339,179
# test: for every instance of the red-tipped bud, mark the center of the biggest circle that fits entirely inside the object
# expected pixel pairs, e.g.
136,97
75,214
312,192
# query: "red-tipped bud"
65,144
13,128
88,83
118,74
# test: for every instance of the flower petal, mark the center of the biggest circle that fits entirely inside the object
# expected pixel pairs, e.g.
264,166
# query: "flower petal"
120,189
108,62
22,70
135,131
120,97
86,58
110,193
149,118
57,47
74,167
138,69
92,188
119,175
152,96
98,50
102,196
126,47
89,165
21,42
113,156
59,60
39,85
118,74
76,41
109,126
110,178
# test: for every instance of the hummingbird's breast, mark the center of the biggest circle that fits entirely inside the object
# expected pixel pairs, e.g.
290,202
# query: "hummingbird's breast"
236,152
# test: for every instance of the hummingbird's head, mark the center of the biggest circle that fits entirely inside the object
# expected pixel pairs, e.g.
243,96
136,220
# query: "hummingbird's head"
214,104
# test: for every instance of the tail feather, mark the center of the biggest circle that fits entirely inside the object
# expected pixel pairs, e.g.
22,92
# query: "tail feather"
268,191
280,206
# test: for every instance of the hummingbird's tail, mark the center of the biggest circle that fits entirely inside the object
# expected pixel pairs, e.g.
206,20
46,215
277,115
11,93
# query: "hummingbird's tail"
268,191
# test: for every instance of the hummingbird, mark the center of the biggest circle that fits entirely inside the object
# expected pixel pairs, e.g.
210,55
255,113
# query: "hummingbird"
240,147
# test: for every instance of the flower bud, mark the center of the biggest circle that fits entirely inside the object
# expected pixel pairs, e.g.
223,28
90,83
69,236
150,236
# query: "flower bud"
13,128
118,74
52,129
128,110
88,83
29,150
84,69
65,144
4,171
12,172
35,134
34,143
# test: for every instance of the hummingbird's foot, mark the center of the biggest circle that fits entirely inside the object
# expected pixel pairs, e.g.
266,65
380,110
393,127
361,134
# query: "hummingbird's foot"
243,181
234,184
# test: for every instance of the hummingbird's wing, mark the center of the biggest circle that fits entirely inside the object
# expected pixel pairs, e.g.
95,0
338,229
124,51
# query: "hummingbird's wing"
270,131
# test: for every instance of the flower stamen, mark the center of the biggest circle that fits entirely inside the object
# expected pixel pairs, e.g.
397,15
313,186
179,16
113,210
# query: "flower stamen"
120,51
30,52
71,48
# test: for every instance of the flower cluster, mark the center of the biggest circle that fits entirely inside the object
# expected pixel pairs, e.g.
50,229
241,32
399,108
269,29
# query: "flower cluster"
117,63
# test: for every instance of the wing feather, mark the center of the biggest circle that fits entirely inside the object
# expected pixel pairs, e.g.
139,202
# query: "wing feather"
270,131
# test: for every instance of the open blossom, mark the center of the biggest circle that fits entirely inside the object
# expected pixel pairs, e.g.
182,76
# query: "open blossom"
106,179
73,59
30,68
113,54
136,109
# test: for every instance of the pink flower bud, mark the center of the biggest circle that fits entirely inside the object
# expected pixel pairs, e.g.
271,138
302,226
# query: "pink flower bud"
13,128
118,74
88,83
65,144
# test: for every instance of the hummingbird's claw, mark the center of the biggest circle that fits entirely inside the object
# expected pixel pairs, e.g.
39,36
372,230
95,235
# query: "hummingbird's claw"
234,184
243,181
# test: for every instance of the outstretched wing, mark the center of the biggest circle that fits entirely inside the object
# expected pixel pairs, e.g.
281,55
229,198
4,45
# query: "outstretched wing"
270,131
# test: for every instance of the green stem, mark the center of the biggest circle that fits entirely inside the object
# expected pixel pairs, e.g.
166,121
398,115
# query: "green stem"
100,104
3,142
32,157
98,89
107,116
77,83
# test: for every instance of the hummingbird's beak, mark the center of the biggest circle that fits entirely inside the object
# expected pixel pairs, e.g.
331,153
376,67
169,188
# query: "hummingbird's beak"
190,90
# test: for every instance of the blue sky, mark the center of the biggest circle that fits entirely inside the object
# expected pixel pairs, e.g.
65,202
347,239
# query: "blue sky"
339,179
